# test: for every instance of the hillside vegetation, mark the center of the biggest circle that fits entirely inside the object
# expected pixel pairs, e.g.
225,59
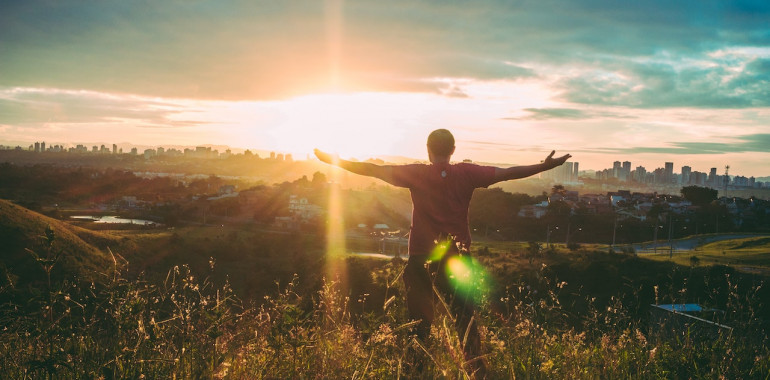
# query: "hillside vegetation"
83,252
253,304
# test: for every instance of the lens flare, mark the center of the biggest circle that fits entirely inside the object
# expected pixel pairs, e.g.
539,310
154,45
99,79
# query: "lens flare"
441,249
467,277
335,233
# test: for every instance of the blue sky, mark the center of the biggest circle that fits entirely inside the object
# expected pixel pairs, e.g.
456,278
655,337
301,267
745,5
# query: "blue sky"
648,82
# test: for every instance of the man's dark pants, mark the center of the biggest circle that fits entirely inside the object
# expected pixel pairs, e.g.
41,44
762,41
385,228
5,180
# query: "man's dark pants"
420,277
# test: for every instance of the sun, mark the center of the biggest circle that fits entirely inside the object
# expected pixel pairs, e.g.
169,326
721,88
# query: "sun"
353,125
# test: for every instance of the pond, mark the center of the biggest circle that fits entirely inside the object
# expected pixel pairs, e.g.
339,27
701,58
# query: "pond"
112,219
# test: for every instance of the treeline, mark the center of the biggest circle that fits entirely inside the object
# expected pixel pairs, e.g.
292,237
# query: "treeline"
494,214
44,185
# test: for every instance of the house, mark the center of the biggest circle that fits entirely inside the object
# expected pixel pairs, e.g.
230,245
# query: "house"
302,209
226,189
536,211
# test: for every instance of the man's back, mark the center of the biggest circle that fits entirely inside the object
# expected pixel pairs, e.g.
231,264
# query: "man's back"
441,194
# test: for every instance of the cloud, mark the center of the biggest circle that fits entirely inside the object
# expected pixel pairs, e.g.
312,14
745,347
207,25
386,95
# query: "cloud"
725,82
271,50
754,143
33,107
568,113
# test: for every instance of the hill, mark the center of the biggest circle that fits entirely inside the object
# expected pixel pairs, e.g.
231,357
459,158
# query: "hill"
81,252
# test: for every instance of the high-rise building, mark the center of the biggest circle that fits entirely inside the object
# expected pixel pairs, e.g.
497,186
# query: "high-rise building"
616,169
640,174
575,172
686,172
668,175
566,173
37,147
42,146
626,171
713,180
114,148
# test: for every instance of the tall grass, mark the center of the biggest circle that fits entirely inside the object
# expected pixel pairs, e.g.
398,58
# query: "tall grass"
186,327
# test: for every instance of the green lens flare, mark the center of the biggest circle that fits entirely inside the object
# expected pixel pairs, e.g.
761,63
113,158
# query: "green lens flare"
440,250
467,276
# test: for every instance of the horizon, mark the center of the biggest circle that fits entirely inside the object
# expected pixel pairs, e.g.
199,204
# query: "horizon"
645,83
310,157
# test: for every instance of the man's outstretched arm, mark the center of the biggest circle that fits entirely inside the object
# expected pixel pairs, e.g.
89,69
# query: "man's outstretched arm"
368,169
515,172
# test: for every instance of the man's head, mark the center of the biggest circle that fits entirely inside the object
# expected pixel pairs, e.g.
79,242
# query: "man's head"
441,145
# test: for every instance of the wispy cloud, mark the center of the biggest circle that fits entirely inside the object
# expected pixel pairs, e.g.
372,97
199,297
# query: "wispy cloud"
38,106
726,82
569,113
756,143
271,50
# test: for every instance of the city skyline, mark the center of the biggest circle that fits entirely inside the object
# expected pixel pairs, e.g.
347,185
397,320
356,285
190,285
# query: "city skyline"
567,173
600,80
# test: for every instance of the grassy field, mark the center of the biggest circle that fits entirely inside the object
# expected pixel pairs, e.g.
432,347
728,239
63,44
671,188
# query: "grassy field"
747,254
240,303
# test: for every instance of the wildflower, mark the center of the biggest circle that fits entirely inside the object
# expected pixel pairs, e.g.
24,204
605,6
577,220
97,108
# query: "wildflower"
547,366
384,334
640,337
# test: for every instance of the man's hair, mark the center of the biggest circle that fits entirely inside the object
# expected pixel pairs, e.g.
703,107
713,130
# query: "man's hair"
441,142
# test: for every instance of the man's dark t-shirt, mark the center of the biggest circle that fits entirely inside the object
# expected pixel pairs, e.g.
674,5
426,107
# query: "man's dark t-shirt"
441,195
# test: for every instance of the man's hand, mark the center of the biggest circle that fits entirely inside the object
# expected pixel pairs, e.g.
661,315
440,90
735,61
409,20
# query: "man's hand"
551,162
326,157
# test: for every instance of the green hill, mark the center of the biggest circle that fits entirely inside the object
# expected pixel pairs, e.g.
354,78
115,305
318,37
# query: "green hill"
22,230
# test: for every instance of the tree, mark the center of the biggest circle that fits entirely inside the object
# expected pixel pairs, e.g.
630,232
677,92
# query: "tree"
319,180
699,196
558,189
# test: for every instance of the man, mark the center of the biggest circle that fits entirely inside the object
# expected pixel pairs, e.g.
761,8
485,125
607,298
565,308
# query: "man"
441,194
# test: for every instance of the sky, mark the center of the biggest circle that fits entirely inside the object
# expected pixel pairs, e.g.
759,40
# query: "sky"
645,81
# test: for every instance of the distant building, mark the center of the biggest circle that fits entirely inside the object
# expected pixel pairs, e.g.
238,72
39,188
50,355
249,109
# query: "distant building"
668,175
686,174
226,189
302,209
566,173
533,211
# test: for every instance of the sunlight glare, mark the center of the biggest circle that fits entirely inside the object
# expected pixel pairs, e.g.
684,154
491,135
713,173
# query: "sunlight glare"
356,125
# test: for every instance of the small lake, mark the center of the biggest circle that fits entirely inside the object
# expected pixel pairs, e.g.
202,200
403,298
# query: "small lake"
112,219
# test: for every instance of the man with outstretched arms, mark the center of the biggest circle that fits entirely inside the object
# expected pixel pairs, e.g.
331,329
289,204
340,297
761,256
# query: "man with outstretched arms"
441,194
